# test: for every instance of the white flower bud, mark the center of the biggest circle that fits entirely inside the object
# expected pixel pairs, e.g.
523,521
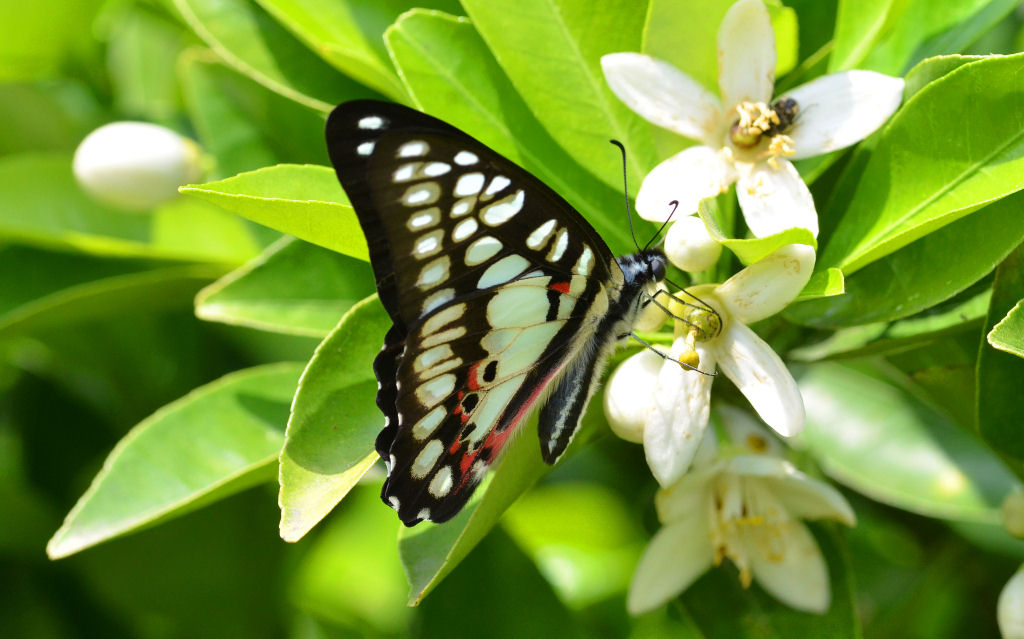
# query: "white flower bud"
651,317
1010,608
629,395
689,246
135,165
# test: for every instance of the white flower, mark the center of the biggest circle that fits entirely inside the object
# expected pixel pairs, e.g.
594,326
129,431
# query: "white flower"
746,508
1010,608
670,407
689,246
743,137
135,166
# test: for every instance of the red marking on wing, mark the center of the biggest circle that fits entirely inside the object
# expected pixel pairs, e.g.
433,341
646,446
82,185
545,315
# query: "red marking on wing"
471,381
495,441
561,287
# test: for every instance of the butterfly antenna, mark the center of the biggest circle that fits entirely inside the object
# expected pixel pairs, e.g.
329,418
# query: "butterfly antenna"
625,191
675,205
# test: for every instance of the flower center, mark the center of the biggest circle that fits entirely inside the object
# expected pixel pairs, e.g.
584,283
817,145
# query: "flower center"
757,121
747,520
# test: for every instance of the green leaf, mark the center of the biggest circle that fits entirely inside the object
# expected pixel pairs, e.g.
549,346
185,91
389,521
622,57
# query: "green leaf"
965,31
753,249
827,283
584,563
431,551
721,607
999,373
349,35
859,24
1008,334
350,574
255,44
669,23
889,35
903,194
301,200
562,81
141,58
329,444
46,116
293,287
39,37
156,289
883,338
44,206
452,75
216,441
877,438
922,274
930,70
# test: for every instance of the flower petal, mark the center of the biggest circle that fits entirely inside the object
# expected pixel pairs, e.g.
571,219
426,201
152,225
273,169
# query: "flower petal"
808,498
767,286
689,246
678,184
680,415
746,54
793,570
763,379
746,432
662,94
687,498
629,394
841,109
775,199
676,556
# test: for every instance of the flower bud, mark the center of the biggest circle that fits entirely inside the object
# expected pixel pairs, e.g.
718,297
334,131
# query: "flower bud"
1010,608
629,395
1013,514
135,166
689,246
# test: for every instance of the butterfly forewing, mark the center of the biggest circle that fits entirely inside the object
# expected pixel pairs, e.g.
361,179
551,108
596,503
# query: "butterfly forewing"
493,282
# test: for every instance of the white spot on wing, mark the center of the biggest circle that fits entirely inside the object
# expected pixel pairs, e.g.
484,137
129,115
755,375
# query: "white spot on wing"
561,243
405,172
469,184
498,183
442,318
482,250
425,193
504,270
438,298
434,169
429,423
434,272
366,148
432,356
413,149
441,483
428,244
425,461
464,229
371,122
540,235
424,219
463,206
394,502
465,158
432,392
443,337
424,514
503,210
586,262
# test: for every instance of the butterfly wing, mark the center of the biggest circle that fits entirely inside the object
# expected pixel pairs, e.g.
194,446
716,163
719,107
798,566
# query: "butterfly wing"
494,285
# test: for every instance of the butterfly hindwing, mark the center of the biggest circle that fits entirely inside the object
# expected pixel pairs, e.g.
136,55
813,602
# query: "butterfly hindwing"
496,288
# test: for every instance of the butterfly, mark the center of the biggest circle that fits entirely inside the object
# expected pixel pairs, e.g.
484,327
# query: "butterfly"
501,297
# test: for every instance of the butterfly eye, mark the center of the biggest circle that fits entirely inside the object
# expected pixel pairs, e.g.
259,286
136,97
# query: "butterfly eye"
658,268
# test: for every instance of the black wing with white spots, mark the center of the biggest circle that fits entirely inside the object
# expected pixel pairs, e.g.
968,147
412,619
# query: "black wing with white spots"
496,288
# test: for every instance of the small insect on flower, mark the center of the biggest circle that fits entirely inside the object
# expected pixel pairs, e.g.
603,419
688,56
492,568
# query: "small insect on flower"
498,291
